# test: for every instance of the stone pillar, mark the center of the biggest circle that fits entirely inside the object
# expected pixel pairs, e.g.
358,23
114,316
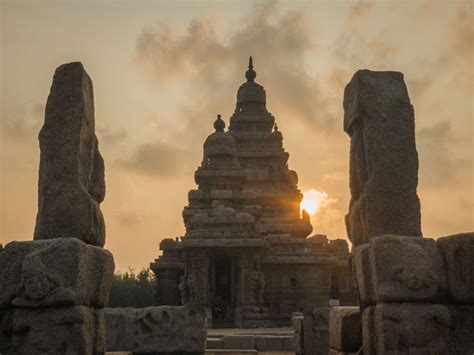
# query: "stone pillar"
379,118
71,173
52,288
197,280
410,299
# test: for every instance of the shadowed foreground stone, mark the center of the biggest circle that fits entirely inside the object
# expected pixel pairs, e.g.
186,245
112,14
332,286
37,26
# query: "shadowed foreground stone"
345,332
6,324
399,269
63,271
71,174
458,254
406,328
379,118
61,330
160,329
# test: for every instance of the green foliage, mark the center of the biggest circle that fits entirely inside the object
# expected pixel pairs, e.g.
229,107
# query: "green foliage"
131,290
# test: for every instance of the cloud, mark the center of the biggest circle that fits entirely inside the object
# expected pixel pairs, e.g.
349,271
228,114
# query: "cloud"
325,214
111,136
159,159
213,65
358,12
439,165
22,122
128,219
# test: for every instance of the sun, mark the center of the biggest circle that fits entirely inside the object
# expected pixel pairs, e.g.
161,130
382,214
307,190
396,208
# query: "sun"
313,200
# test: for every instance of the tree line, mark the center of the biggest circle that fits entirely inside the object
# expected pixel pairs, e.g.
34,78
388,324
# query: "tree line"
132,290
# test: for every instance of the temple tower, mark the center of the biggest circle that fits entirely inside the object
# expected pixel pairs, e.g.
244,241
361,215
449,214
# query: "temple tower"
245,254
260,152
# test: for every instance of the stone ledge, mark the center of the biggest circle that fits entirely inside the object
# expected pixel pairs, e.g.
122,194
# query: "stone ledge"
149,329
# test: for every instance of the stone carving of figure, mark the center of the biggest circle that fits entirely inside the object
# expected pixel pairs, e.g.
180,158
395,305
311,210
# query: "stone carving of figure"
261,287
191,288
38,286
183,290
258,283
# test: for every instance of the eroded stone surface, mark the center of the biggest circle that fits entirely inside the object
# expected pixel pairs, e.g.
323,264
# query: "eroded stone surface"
345,332
399,269
55,272
379,118
163,328
6,327
71,173
458,254
407,328
362,274
461,337
58,330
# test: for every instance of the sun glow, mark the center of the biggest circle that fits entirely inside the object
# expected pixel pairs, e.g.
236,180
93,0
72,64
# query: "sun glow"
313,200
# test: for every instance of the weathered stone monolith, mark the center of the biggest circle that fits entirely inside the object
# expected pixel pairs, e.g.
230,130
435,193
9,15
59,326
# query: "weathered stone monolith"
52,288
71,174
379,118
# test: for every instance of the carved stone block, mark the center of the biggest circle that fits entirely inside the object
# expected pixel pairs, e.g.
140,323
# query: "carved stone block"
58,330
149,329
400,269
406,328
345,332
316,331
458,254
63,271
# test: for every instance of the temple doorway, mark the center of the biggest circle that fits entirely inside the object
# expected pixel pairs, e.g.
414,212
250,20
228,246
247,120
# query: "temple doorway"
222,294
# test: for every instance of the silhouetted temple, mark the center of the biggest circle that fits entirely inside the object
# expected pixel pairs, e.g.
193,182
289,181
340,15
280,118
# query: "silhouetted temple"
246,255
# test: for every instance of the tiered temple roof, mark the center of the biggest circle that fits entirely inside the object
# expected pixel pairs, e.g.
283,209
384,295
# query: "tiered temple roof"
246,241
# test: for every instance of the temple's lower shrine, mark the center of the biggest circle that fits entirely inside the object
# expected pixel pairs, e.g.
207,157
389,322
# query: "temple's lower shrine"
246,255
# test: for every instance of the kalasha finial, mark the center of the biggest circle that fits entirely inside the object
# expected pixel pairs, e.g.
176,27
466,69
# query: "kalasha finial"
219,124
250,74
275,127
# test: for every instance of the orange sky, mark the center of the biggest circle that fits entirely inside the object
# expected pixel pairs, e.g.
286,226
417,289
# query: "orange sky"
162,70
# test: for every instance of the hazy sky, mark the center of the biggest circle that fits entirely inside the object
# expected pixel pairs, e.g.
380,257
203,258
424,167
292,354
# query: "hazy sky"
162,70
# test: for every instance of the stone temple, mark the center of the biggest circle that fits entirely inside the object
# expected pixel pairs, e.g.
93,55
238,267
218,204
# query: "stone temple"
246,255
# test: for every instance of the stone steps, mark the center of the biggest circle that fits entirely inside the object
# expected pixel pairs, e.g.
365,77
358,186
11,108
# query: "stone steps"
251,344
247,352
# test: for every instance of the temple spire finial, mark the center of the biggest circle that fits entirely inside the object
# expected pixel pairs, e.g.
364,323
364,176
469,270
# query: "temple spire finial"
250,74
219,124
